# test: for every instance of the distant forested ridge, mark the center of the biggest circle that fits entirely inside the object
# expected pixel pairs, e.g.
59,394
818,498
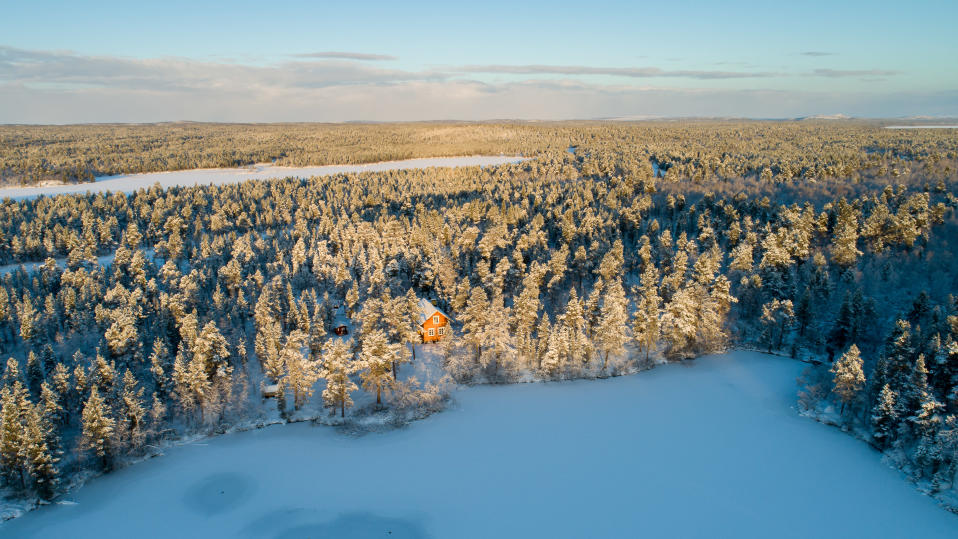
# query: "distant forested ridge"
618,245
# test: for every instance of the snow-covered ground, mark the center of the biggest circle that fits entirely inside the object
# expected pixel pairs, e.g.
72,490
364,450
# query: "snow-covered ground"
104,260
129,183
709,448
921,127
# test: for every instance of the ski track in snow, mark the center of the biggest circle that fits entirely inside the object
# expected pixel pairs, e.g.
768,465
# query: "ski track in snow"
129,183
710,448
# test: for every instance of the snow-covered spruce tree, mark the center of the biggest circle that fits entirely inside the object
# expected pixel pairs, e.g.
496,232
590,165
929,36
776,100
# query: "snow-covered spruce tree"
160,366
553,360
884,419
498,343
131,428
376,359
408,308
679,323
98,427
475,319
525,313
38,458
917,390
15,404
579,346
849,377
35,374
337,365
300,373
645,326
613,330
844,249
926,423
777,318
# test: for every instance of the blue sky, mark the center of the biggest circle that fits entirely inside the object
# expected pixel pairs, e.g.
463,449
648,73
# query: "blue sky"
334,61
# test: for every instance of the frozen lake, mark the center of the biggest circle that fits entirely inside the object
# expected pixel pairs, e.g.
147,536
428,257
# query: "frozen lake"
710,448
129,183
921,127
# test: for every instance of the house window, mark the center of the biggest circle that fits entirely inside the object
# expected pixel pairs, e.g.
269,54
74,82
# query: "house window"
435,320
442,331
432,332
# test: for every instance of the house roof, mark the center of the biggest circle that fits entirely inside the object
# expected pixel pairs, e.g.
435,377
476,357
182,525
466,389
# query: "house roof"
427,309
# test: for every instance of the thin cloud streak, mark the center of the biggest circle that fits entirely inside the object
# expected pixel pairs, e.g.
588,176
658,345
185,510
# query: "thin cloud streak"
817,53
632,72
837,73
338,55
41,68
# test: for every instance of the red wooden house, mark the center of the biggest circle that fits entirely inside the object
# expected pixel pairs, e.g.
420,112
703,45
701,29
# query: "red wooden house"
432,321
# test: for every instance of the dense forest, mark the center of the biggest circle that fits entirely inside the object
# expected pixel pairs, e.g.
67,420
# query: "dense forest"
698,151
617,246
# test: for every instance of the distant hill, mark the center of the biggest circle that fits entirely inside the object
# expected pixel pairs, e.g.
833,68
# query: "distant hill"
826,117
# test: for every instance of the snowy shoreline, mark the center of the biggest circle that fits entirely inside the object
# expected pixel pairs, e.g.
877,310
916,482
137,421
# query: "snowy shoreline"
728,442
129,183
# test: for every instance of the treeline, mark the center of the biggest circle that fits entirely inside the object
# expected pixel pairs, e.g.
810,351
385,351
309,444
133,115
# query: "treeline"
554,268
700,152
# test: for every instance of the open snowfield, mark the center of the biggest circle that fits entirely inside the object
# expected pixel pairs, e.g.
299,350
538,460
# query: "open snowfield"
710,448
128,183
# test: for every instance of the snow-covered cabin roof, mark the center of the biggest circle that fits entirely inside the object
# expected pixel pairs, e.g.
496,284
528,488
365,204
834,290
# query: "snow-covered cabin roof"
427,309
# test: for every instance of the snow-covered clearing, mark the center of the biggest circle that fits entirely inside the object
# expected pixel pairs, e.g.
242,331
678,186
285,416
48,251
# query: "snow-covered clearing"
710,448
104,260
128,183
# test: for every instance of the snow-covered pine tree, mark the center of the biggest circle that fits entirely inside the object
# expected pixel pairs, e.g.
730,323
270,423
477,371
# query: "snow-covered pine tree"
35,374
98,426
553,360
409,307
11,373
376,358
613,329
849,377
498,343
525,313
300,372
268,346
593,308
182,384
645,326
336,368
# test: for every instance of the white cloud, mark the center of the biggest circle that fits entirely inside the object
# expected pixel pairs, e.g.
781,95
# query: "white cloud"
65,87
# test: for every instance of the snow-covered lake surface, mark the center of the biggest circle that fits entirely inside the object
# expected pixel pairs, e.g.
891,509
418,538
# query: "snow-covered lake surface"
129,183
710,448
921,127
